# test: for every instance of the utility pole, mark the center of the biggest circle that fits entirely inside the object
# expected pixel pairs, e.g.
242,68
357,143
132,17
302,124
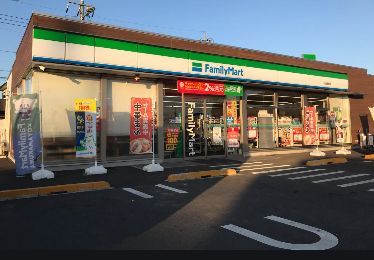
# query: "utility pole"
84,10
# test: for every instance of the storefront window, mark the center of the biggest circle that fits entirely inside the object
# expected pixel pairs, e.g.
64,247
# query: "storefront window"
58,94
260,115
173,140
289,118
129,120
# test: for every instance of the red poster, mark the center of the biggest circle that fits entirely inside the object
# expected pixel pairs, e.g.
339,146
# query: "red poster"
310,126
141,126
323,134
297,133
200,87
233,137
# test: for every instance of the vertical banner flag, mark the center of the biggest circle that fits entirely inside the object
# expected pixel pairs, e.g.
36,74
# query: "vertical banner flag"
141,125
310,126
85,127
26,132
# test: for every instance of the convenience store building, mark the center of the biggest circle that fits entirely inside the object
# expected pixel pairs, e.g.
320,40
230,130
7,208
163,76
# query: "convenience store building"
210,99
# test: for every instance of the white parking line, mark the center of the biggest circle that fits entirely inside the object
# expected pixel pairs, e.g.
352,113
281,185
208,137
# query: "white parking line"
371,190
170,188
277,166
294,168
315,175
292,173
233,164
250,167
341,178
141,194
355,183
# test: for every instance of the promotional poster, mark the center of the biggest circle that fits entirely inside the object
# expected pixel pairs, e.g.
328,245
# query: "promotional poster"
141,126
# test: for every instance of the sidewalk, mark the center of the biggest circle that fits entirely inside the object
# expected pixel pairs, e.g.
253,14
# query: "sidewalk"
124,176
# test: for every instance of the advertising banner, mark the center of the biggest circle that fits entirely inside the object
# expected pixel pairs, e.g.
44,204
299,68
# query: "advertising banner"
310,126
233,137
232,90
200,87
85,127
323,133
171,139
141,126
85,130
26,133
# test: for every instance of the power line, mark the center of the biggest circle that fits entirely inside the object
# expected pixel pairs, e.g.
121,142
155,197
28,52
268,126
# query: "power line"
14,16
7,51
11,20
19,25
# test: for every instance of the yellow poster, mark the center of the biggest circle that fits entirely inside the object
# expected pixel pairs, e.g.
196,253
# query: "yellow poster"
232,110
85,104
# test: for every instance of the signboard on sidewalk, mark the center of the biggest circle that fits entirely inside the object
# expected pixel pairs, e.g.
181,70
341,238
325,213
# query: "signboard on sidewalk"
26,132
141,126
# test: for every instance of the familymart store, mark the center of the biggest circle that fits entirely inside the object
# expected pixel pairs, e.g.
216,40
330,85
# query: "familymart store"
204,104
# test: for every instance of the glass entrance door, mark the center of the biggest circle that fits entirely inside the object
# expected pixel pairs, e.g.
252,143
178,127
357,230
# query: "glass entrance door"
215,127
194,127
204,127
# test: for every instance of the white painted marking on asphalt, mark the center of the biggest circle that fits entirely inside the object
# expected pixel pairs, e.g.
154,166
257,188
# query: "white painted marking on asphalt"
277,166
327,240
233,164
141,194
170,188
292,173
294,168
341,178
371,190
355,183
315,175
251,167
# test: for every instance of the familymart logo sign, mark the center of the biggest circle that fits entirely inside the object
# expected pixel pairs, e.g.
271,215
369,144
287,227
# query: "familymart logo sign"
219,70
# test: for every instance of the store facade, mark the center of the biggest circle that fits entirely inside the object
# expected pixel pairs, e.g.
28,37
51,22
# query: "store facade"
208,100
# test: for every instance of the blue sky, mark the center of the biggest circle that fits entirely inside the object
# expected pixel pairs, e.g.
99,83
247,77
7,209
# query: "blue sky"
337,31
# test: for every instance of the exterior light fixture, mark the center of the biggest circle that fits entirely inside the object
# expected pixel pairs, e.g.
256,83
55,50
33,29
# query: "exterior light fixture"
136,77
42,68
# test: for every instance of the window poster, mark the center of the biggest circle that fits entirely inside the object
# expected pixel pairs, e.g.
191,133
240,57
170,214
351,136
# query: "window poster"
171,139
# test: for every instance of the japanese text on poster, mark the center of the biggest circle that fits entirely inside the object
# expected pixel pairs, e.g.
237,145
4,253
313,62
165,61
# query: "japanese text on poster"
141,126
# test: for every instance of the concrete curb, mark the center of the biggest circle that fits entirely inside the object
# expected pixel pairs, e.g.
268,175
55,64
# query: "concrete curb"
200,175
326,161
49,190
369,156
